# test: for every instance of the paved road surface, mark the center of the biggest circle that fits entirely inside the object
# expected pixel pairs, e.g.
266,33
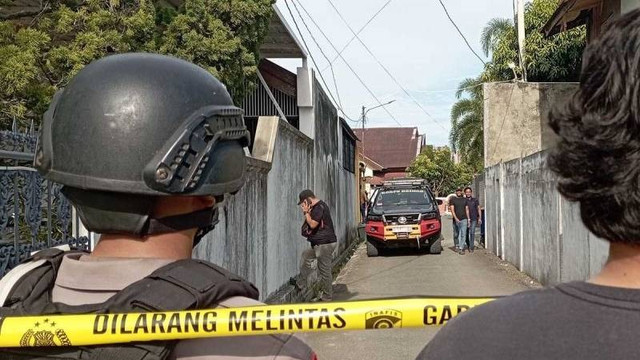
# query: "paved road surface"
403,274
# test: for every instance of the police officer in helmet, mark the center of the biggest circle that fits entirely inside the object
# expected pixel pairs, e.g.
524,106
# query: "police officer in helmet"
145,146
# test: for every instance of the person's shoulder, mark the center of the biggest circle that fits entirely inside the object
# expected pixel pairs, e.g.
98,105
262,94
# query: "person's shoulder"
506,318
278,347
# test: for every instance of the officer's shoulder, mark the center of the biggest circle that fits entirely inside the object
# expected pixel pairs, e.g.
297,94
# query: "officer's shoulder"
522,306
505,318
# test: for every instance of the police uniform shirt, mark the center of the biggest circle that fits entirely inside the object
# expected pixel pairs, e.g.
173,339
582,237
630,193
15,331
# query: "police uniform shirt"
87,280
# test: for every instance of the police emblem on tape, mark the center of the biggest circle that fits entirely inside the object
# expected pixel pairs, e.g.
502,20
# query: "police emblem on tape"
383,319
45,334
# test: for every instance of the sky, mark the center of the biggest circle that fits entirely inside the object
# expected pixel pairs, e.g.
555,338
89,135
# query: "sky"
413,39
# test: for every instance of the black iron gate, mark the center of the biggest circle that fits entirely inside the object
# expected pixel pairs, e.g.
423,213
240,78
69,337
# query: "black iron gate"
33,212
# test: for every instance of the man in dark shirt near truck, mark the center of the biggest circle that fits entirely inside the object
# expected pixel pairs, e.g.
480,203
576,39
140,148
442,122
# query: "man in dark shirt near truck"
459,211
597,163
322,238
475,216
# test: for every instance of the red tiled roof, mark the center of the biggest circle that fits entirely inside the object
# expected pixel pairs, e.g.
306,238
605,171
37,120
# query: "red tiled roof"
376,180
390,147
381,178
395,175
372,164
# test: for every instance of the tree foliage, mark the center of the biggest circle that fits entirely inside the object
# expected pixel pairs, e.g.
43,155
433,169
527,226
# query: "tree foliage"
39,56
557,58
466,123
437,167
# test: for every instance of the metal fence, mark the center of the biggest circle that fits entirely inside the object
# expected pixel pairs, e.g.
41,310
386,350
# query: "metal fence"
33,212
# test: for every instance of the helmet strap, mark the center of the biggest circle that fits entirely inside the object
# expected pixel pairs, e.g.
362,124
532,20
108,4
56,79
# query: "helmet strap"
204,220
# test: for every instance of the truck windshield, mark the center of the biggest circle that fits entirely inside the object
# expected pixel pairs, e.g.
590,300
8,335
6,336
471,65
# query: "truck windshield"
403,198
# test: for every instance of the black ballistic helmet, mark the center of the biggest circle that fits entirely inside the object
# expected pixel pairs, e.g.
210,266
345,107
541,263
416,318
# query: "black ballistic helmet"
132,127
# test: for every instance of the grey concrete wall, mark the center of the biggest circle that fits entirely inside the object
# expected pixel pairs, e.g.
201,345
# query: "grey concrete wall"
238,242
492,208
515,118
258,236
331,182
511,207
540,217
628,5
530,225
478,186
290,174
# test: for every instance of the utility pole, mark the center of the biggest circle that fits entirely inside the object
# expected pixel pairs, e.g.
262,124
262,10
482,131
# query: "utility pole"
363,119
518,7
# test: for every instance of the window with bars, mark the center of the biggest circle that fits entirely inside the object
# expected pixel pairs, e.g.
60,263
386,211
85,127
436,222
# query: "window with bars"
348,152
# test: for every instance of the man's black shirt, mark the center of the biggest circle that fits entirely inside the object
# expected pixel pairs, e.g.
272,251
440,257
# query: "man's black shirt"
324,232
459,204
576,320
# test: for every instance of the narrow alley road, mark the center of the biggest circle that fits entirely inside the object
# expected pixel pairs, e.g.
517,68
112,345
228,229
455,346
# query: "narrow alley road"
404,274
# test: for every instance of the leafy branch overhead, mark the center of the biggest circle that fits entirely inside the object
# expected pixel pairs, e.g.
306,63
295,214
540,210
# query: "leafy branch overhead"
555,59
42,48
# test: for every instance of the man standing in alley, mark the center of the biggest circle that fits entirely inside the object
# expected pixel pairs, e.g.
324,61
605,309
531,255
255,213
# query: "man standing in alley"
453,219
364,200
597,161
318,229
475,216
459,211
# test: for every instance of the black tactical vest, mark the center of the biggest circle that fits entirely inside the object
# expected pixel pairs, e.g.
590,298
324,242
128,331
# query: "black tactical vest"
181,285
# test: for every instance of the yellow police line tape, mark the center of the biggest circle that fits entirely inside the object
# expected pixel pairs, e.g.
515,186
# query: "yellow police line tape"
97,329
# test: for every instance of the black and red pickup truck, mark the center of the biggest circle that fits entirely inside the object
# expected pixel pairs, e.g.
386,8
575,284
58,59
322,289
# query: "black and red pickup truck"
403,213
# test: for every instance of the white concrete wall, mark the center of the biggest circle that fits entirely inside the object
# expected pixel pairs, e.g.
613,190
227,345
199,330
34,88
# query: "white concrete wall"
529,224
258,236
331,182
628,5
515,118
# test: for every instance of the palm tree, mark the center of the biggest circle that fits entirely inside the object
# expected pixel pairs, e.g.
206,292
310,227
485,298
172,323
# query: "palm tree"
496,29
467,135
467,123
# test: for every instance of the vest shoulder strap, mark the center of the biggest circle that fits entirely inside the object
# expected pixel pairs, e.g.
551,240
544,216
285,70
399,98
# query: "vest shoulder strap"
180,285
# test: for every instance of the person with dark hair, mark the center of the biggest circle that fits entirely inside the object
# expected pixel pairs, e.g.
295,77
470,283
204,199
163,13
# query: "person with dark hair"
597,161
319,231
475,216
460,214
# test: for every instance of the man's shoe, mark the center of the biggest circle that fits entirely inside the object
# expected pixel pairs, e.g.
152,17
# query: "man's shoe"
461,252
471,251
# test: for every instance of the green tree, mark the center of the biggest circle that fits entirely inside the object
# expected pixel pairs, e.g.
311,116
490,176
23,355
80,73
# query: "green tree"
466,134
437,167
554,59
557,58
40,53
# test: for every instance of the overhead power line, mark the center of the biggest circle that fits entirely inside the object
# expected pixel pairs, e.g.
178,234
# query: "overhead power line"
358,33
461,34
463,88
304,42
341,57
384,67
335,83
